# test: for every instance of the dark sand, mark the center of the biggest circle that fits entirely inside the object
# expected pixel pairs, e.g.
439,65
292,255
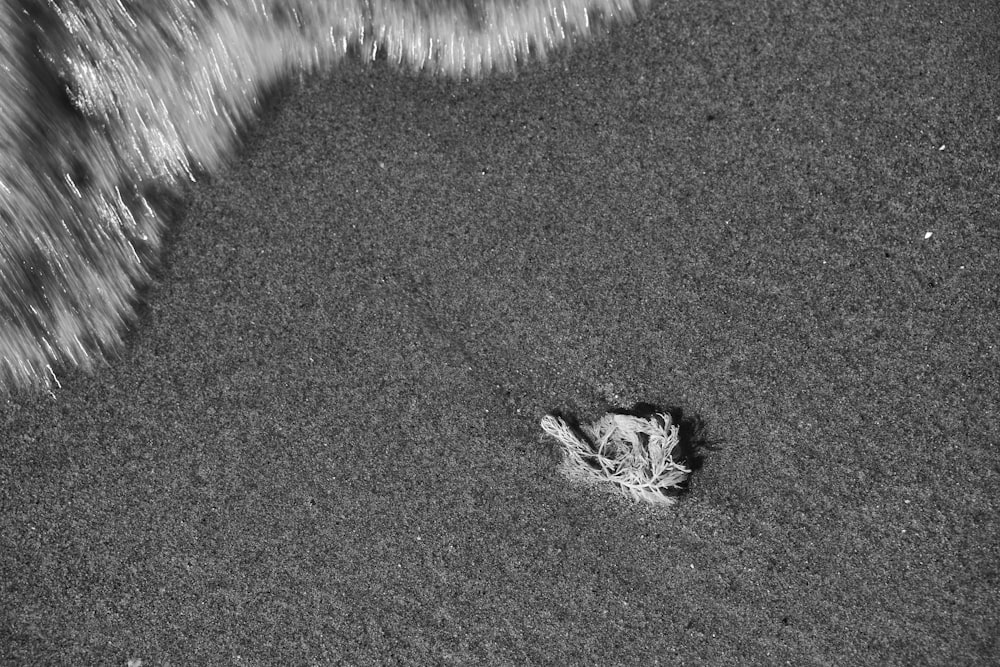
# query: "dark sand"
321,443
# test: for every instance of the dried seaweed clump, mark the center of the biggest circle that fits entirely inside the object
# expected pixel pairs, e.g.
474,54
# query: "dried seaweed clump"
625,454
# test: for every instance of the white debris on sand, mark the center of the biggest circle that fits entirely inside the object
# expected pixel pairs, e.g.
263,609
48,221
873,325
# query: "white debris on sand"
625,454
